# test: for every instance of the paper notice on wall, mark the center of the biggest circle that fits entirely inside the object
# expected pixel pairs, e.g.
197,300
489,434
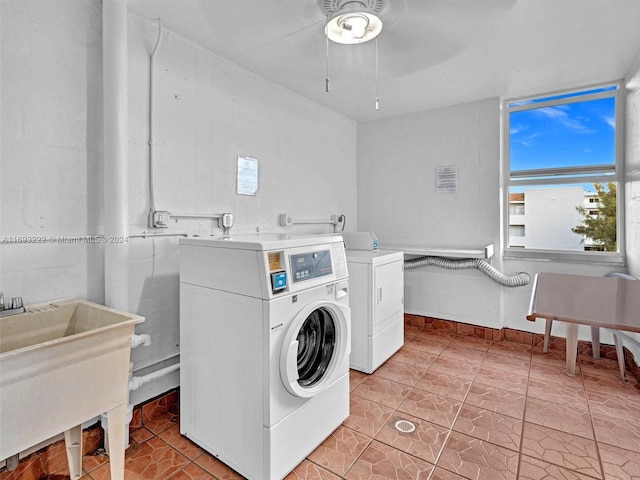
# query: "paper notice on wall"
447,179
247,176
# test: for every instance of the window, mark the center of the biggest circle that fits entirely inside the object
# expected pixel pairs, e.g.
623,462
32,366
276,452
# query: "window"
562,155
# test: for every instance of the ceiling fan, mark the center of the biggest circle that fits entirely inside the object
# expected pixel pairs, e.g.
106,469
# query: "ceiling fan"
411,34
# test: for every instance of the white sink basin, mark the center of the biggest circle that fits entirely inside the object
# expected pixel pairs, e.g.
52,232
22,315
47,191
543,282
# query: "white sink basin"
63,363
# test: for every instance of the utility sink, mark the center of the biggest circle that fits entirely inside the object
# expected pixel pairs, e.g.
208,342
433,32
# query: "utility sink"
63,363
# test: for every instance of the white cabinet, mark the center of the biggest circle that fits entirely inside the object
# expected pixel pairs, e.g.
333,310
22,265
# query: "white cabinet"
376,280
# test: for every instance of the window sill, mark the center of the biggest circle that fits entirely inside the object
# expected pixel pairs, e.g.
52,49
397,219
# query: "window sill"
599,258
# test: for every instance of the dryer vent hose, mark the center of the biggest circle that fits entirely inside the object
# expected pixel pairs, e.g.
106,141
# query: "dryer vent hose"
518,280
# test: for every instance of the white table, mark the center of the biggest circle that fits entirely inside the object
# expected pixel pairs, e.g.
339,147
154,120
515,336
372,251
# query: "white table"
605,302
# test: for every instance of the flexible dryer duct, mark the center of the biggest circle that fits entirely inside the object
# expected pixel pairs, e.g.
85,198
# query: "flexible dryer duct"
518,280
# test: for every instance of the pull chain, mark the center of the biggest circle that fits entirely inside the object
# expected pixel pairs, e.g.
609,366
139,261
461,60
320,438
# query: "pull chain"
326,80
377,89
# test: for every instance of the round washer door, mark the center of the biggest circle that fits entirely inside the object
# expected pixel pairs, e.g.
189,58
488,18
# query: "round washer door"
316,343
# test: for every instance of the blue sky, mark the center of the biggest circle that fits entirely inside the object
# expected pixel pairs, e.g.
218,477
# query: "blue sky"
581,133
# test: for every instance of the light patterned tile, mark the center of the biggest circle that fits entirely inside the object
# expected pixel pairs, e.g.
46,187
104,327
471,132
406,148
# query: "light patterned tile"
383,391
181,443
141,435
512,381
511,349
152,459
310,471
218,469
356,378
589,364
472,343
610,383
534,469
569,419
425,442
570,394
444,384
618,432
496,399
463,352
433,344
159,423
340,450
567,451
431,407
477,459
518,337
619,464
54,461
508,363
442,474
455,367
414,357
382,462
366,416
623,407
400,372
91,461
193,472
554,373
552,357
492,427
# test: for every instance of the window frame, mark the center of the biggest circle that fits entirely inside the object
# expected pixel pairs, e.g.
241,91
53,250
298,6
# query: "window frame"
566,175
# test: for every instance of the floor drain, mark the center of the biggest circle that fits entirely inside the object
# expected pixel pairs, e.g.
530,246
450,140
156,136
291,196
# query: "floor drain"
404,426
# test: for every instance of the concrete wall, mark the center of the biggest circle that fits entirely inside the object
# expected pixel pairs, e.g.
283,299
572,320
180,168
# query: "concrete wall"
632,176
632,172
397,198
208,111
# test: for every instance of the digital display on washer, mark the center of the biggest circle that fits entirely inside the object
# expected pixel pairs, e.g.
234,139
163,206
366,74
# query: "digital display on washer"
306,266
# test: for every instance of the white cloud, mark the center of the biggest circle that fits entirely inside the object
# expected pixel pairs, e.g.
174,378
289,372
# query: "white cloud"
561,114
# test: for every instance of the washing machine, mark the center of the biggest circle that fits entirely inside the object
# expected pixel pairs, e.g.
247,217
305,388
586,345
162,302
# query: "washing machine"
264,347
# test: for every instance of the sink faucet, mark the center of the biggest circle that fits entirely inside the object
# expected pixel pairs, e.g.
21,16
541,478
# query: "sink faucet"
14,308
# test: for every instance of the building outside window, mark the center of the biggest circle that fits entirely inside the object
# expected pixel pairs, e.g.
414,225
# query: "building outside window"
563,158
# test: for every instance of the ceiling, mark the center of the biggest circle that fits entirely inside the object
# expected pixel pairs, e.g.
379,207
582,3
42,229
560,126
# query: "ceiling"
431,53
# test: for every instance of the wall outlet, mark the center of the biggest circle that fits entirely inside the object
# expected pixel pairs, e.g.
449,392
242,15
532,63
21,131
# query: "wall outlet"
159,219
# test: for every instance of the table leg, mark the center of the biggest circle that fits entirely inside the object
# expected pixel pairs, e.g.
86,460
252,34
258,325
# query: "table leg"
595,341
572,348
73,444
547,334
620,355
116,422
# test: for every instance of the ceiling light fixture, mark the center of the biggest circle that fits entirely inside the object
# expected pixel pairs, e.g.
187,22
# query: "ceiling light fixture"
353,27
351,22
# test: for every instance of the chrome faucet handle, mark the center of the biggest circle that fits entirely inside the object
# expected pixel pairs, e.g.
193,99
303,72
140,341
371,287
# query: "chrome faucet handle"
16,302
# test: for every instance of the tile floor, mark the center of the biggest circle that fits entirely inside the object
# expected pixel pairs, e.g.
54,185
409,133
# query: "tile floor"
481,410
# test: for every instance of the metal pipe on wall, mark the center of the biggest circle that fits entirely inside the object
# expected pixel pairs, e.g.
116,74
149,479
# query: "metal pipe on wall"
116,185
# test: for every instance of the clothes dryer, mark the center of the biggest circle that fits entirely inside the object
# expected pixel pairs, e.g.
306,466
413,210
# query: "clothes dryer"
265,338
377,306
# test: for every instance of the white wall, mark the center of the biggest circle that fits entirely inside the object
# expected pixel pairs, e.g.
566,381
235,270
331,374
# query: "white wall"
51,137
632,172
397,199
208,112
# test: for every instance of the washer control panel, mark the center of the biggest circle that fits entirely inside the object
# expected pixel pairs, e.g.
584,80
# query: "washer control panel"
305,266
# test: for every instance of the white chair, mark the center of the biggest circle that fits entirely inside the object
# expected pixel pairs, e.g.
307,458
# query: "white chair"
595,334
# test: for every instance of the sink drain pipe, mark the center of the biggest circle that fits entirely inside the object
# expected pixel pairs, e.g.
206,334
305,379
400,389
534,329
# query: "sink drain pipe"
518,280
134,384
